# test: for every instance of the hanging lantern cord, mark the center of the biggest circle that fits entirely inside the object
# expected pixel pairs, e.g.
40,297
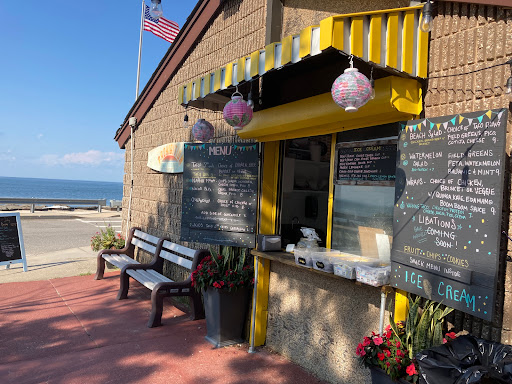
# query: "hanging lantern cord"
351,61
372,82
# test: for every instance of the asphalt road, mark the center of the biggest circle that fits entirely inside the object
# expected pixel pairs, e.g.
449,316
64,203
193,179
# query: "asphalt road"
49,235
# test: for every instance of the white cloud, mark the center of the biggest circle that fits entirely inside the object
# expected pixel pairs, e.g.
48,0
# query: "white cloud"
40,136
91,158
7,156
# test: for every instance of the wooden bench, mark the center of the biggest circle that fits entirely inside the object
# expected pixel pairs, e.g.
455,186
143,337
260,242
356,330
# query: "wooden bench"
150,275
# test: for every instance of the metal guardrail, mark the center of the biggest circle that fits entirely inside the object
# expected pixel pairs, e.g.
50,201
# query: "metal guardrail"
33,202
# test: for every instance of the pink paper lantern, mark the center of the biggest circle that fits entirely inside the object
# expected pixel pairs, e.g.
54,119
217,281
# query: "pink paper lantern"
351,90
203,130
237,113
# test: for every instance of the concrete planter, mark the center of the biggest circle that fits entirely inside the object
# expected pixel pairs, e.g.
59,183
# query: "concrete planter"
225,315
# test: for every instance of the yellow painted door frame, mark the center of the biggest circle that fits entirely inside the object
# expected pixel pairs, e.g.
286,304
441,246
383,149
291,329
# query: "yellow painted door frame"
268,217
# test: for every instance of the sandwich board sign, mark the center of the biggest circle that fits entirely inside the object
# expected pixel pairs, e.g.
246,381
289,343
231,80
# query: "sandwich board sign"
12,249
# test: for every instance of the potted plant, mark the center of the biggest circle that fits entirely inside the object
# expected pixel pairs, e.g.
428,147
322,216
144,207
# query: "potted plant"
107,239
224,279
391,356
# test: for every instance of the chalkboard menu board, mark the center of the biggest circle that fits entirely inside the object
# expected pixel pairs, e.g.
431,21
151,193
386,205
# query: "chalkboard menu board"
447,215
220,190
368,162
12,250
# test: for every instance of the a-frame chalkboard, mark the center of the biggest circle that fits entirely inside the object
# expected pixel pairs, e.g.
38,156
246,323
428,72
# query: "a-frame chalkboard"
447,214
12,249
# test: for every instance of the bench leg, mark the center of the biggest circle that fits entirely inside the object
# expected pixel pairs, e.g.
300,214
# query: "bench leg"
124,286
157,306
196,306
100,269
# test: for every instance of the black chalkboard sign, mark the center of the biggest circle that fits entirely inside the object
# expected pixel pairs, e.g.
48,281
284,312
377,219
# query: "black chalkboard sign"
12,250
220,190
447,213
368,162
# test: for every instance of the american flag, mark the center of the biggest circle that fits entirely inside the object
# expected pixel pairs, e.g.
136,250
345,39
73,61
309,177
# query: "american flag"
166,29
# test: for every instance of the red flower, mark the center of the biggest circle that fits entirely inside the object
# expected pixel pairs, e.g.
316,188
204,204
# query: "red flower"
366,341
387,364
451,335
378,340
388,354
380,356
360,350
398,344
398,360
411,370
399,353
217,285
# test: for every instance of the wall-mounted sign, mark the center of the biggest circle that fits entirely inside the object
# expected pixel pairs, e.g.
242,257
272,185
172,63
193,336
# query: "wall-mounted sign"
447,216
167,158
366,162
220,189
12,249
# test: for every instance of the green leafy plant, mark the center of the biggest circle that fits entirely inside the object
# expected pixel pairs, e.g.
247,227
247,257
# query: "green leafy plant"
107,239
423,326
228,270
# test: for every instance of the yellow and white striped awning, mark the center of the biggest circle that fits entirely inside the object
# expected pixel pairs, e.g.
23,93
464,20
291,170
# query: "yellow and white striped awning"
387,38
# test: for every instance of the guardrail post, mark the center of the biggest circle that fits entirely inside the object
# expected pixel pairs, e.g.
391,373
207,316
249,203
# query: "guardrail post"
32,208
99,208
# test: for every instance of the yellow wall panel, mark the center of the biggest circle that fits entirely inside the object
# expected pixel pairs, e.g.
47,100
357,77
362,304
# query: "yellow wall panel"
305,42
392,40
216,80
356,37
255,63
408,42
240,70
375,38
269,57
228,75
326,29
286,50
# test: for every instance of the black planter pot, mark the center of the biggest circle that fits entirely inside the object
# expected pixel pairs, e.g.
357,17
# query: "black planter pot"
225,315
380,377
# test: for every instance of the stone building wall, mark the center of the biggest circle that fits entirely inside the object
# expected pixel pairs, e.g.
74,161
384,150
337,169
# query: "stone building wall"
298,14
317,321
465,38
238,30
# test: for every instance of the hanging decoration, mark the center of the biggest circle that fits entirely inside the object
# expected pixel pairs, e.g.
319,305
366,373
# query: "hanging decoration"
203,130
351,90
236,112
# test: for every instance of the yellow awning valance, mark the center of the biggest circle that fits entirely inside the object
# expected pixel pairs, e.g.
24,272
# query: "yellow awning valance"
387,38
396,98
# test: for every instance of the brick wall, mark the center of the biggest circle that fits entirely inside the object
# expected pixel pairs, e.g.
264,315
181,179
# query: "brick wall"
238,30
468,37
298,14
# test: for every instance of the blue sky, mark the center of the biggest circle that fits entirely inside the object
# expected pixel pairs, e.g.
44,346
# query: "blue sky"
68,75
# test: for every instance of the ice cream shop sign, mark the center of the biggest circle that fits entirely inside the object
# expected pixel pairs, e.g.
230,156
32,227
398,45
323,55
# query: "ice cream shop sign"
447,214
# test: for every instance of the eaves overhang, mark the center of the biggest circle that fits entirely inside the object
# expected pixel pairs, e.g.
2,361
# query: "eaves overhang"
388,39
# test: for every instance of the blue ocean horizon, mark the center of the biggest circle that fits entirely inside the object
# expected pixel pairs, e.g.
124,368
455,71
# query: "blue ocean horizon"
22,187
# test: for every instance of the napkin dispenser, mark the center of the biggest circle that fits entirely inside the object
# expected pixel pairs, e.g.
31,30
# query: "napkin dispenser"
269,243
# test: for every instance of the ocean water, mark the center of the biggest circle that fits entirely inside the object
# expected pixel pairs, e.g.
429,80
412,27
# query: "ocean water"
59,189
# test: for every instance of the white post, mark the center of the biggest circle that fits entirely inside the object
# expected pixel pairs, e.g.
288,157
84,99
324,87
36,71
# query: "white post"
131,137
140,50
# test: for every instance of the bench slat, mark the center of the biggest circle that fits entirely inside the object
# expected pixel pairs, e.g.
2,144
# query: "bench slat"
158,275
176,259
146,236
147,247
179,248
149,280
119,260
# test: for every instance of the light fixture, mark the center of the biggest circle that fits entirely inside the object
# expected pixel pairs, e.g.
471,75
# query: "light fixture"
155,10
351,90
372,83
508,91
427,20
185,119
250,103
236,112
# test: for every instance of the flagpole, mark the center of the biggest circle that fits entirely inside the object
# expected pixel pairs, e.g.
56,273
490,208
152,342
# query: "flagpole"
128,221
140,50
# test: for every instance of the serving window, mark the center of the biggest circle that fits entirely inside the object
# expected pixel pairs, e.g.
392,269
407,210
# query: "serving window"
362,187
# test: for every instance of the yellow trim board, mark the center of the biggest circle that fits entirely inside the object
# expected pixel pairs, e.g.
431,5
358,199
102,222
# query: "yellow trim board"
396,99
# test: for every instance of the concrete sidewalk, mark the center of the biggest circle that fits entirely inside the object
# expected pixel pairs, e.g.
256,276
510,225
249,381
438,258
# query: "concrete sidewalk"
73,330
